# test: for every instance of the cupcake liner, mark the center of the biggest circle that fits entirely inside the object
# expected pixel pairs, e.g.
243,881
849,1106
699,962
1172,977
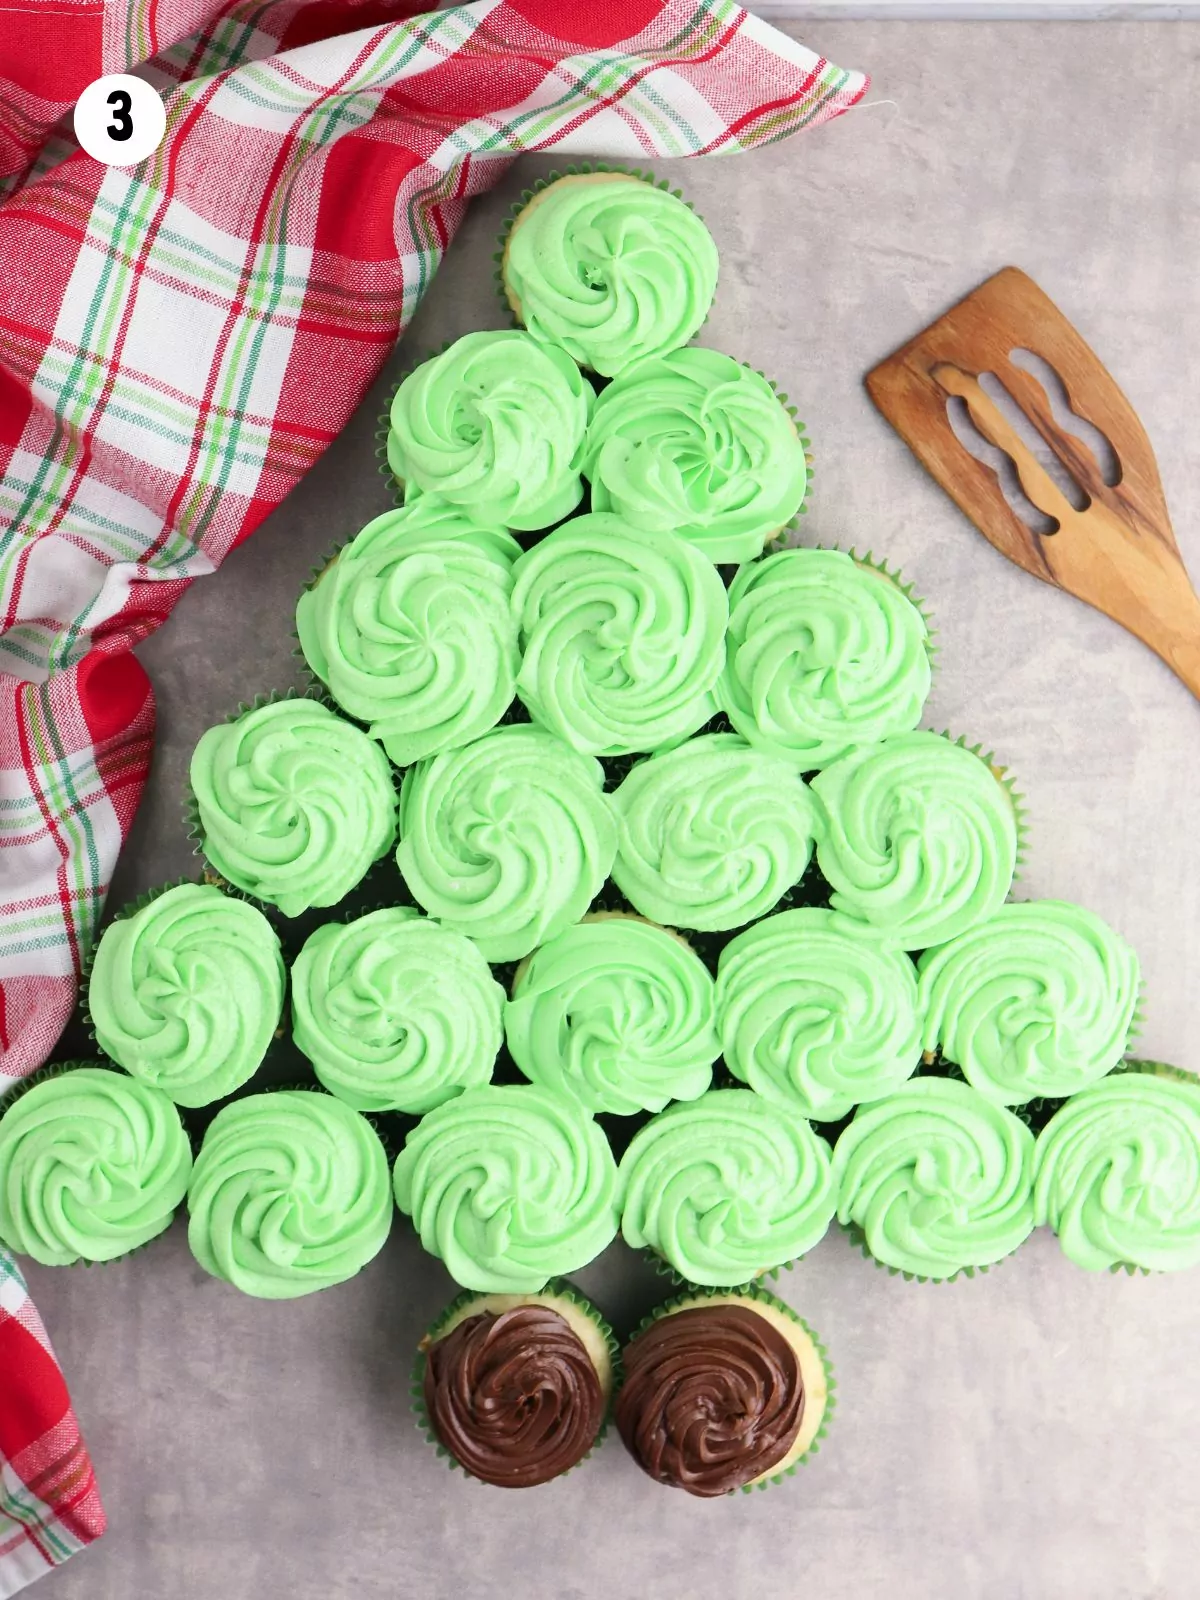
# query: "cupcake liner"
1005,778
576,169
384,426
673,1276
765,1297
559,1287
859,1240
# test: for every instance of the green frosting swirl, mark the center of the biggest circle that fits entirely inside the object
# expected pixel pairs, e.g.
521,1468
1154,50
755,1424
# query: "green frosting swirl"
726,1187
937,1179
290,1194
921,839
824,654
1038,1000
92,1165
815,1017
623,640
712,834
696,444
186,993
617,1014
411,630
294,804
394,1012
507,841
611,268
494,425
509,1186
1117,1172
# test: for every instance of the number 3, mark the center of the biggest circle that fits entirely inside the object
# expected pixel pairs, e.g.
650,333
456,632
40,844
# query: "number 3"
121,127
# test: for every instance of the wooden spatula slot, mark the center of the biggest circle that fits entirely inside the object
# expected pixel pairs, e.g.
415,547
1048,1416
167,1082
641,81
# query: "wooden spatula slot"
958,413
1114,547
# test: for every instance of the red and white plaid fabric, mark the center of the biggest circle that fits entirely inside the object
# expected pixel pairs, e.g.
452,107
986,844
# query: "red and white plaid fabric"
179,343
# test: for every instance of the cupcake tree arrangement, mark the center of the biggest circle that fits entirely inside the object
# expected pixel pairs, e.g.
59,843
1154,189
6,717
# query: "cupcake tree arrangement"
609,885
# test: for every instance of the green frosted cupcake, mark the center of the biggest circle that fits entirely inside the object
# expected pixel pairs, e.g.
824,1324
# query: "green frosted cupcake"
726,1188
824,654
394,1012
508,840
495,426
1039,1000
515,1388
293,803
411,630
615,1013
921,839
509,1187
622,638
611,267
722,1392
814,1017
186,990
289,1194
712,834
936,1179
697,444
1117,1171
93,1165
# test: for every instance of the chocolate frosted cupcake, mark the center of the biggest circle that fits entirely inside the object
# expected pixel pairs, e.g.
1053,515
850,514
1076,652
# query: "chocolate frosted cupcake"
921,841
1117,1171
495,426
712,834
617,1014
93,1165
289,1195
695,443
726,1188
516,1389
509,1186
410,628
825,653
292,803
185,992
935,1180
610,266
723,1392
507,840
1039,1000
395,1012
622,638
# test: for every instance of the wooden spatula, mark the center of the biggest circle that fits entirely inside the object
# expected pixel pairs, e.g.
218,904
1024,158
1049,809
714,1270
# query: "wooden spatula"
1119,553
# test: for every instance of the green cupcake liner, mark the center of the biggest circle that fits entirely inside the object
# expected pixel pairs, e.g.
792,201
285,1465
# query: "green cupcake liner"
384,425
563,1289
676,1278
858,1239
580,169
765,1297
1005,778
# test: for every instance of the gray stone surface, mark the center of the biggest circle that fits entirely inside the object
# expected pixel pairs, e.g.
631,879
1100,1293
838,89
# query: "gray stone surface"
1027,1436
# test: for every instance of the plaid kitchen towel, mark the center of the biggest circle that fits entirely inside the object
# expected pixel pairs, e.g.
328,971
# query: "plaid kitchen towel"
49,1507
180,341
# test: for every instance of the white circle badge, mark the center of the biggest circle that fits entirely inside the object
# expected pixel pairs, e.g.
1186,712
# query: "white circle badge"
119,120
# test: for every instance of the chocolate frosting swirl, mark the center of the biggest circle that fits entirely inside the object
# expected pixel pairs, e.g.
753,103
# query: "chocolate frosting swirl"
514,1398
713,1398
